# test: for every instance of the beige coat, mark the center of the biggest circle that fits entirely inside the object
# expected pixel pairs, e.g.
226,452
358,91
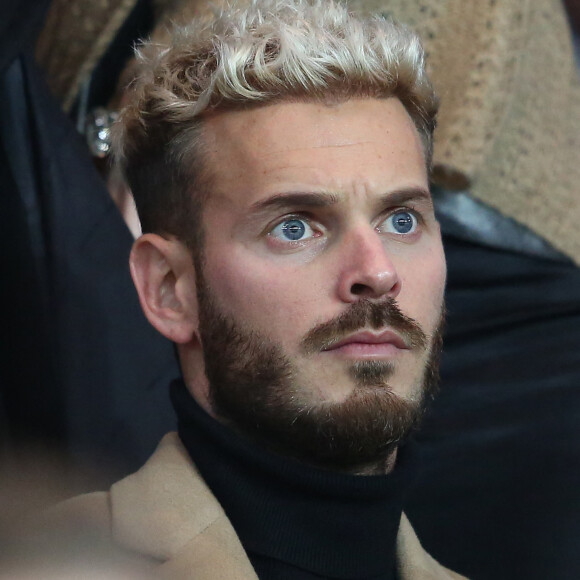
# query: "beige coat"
166,513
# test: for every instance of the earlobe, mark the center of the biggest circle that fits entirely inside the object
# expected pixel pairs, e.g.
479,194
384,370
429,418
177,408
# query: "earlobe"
164,276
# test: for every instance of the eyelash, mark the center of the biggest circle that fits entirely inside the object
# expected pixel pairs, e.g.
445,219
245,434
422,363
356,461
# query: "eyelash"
310,221
409,209
297,216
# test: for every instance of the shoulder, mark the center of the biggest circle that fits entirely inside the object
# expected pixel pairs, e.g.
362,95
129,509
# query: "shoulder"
165,514
87,510
138,510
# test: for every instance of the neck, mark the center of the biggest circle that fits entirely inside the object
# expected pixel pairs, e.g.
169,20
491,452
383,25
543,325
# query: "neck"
291,516
193,371
381,466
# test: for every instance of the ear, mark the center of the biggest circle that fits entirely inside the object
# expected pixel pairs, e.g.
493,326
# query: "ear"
164,275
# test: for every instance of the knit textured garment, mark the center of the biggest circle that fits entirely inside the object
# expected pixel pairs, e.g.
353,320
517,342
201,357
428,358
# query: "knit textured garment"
294,521
74,38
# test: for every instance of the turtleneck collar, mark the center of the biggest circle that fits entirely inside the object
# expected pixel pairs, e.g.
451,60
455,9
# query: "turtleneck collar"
330,524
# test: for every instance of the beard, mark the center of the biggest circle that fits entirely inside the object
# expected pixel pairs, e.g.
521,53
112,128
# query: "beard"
253,388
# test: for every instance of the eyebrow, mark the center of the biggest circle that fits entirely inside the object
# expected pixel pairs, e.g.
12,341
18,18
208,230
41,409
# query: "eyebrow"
406,195
313,199
298,198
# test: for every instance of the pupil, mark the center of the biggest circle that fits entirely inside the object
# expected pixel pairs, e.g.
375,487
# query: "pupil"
293,229
403,223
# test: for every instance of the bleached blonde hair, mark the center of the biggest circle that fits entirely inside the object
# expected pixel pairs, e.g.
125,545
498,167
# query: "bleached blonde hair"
264,52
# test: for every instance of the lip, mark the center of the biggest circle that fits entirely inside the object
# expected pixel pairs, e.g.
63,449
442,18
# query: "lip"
387,342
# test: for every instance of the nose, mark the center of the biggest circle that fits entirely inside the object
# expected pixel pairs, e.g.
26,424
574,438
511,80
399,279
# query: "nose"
367,270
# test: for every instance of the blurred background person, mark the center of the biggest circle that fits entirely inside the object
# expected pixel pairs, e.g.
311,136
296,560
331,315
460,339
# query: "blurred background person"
80,368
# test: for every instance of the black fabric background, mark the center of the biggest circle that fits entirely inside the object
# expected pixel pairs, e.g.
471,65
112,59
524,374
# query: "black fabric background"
498,492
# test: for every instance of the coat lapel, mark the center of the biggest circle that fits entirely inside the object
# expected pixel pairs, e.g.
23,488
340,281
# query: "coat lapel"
166,511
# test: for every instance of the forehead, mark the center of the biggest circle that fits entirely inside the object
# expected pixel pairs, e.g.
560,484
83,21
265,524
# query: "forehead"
310,146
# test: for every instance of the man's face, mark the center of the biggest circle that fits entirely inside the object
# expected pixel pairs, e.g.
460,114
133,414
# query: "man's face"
321,282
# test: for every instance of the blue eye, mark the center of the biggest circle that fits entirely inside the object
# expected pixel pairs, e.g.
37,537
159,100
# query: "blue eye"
293,230
401,222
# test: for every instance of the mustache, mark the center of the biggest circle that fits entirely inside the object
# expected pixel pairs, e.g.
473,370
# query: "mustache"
363,314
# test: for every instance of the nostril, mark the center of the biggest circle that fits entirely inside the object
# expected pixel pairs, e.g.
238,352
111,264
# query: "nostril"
359,289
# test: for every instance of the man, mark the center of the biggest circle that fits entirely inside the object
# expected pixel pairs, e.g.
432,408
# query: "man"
279,160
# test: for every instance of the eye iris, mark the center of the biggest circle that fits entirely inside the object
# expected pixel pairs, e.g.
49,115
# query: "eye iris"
403,222
293,229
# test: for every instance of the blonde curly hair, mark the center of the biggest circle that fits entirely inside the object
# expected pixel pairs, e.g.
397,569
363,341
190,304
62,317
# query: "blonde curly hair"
262,53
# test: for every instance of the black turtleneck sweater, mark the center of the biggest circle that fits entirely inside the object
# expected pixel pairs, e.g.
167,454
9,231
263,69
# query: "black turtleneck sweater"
296,522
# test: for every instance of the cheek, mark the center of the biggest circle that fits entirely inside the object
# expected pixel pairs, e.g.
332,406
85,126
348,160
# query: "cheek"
274,301
423,288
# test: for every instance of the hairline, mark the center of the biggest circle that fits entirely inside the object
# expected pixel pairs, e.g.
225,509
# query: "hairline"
198,154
